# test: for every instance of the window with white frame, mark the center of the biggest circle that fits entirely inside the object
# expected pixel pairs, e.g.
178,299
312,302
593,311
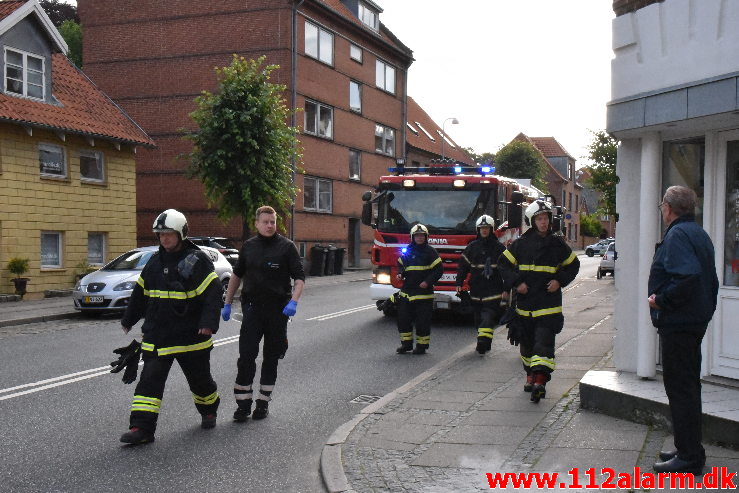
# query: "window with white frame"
355,164
51,249
317,194
91,166
385,76
355,96
355,53
319,43
96,248
369,16
24,74
52,161
319,119
384,140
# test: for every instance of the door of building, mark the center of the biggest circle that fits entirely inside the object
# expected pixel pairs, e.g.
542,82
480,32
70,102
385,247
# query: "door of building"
354,241
725,337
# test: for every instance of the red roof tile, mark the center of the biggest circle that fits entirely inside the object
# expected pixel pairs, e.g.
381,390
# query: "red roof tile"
422,141
525,138
7,7
83,108
549,147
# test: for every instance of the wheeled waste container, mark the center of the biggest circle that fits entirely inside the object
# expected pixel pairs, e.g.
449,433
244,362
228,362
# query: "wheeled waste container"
328,270
339,261
317,260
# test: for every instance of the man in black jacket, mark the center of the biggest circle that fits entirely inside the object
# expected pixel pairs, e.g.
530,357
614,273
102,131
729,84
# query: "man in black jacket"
267,262
683,287
419,267
178,295
538,265
480,260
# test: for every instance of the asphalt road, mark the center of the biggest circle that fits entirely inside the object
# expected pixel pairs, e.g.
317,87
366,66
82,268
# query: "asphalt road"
62,412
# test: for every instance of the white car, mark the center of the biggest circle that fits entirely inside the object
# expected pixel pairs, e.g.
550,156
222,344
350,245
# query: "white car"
608,262
109,289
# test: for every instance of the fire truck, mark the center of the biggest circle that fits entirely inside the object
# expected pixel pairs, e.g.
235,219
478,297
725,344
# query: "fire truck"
447,199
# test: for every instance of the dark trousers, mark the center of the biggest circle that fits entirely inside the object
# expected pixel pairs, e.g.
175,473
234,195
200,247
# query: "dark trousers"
415,313
681,364
487,314
150,389
261,320
537,346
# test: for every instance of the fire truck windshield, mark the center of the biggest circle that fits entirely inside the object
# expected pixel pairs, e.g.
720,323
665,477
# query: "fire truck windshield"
442,211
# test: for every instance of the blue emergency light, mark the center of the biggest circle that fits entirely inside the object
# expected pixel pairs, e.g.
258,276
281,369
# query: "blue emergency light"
458,169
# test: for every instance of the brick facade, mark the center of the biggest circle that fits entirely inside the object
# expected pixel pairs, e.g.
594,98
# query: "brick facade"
621,7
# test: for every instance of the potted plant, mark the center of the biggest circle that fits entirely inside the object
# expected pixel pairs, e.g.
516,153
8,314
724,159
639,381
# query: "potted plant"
19,266
83,268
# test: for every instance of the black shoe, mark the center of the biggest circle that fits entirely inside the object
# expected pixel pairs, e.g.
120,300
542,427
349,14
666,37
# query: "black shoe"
420,349
405,346
137,436
664,456
538,392
209,421
529,383
676,464
261,410
243,411
483,345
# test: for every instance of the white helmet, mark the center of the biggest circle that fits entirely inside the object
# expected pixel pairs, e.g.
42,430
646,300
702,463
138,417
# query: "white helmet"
170,221
419,228
535,208
485,220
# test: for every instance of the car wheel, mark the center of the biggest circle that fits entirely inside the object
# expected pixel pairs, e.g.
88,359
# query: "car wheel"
589,252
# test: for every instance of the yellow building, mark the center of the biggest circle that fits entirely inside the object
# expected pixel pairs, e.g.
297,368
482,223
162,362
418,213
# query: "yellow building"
67,167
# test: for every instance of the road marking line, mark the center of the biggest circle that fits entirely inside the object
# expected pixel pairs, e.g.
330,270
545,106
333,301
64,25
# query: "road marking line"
350,311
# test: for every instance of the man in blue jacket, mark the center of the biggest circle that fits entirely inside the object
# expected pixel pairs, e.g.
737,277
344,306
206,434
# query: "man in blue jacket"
683,287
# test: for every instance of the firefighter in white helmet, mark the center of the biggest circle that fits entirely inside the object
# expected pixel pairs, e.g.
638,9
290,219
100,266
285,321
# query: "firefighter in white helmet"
179,297
480,261
419,267
537,266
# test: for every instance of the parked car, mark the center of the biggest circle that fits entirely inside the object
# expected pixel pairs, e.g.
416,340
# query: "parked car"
608,262
220,243
109,288
598,248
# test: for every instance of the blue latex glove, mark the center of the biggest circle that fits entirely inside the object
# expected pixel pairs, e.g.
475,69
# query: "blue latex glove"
226,312
291,308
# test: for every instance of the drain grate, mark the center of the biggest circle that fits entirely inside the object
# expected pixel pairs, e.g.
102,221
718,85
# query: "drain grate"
365,399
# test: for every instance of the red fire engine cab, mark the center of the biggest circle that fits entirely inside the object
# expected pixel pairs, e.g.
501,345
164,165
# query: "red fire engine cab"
448,200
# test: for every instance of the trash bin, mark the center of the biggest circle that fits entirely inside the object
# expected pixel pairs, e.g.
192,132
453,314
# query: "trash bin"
317,260
328,270
339,261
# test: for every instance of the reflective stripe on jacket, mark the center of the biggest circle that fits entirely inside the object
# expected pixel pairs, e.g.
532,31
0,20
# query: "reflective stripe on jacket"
419,264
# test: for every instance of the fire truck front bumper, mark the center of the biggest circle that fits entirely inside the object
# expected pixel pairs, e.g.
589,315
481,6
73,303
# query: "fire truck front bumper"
442,299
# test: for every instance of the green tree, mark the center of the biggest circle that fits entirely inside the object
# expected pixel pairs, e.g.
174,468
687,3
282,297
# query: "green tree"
59,11
602,153
590,225
244,151
520,159
483,158
72,34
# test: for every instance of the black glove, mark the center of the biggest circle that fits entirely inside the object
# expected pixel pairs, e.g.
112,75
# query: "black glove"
465,305
129,358
388,304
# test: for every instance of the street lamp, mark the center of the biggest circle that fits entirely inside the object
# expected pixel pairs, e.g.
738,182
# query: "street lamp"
443,136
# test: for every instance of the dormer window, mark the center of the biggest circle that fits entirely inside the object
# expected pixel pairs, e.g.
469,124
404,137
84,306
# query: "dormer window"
369,17
24,74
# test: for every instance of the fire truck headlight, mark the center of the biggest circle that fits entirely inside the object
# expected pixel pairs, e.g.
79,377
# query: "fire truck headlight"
383,278
459,183
409,183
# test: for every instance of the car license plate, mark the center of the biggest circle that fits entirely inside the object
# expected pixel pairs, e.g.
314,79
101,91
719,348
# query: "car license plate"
94,299
448,277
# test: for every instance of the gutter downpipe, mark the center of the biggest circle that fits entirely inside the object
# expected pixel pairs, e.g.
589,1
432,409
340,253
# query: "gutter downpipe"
294,99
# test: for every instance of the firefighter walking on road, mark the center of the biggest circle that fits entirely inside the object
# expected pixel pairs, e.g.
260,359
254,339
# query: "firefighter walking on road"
179,296
419,268
267,262
538,265
480,261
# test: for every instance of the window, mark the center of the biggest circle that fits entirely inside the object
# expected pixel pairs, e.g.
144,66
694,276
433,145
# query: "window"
425,131
96,248
319,43
24,74
683,163
317,194
51,249
355,165
412,128
577,203
355,96
384,140
319,119
731,226
369,17
91,166
570,206
355,53
385,76
52,162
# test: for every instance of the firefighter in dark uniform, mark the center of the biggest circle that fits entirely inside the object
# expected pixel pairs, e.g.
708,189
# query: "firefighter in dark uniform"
266,263
419,268
480,260
179,296
538,265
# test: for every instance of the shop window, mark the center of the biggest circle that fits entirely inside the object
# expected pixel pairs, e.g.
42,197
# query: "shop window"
683,163
731,231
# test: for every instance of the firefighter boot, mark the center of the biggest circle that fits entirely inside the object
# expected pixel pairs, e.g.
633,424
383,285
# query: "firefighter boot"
539,390
209,421
405,346
261,410
243,411
137,436
483,344
529,383
420,349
